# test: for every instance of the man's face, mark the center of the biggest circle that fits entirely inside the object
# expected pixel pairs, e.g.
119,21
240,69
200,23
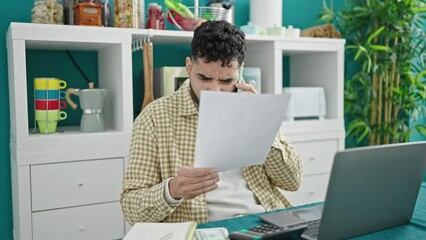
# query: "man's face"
212,76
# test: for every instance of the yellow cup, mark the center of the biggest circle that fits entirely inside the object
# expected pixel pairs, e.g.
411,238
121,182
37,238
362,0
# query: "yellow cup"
49,83
47,127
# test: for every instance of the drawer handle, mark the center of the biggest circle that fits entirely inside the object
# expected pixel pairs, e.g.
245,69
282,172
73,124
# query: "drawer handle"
80,184
312,158
81,228
311,192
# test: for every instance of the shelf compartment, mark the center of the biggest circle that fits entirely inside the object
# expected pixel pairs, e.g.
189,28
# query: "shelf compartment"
113,49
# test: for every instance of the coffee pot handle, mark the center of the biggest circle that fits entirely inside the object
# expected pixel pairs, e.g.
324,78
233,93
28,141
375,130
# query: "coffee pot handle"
68,97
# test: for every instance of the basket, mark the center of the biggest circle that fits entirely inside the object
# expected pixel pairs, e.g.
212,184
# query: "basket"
202,14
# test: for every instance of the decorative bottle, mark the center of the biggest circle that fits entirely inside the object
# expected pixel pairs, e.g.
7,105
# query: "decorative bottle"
126,13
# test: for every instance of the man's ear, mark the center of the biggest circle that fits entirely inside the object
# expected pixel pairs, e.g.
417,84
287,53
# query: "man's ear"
188,65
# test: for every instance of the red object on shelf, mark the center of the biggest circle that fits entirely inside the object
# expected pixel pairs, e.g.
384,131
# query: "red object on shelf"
50,104
155,18
187,24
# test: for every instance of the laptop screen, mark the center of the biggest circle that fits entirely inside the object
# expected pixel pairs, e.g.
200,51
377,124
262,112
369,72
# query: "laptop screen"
370,189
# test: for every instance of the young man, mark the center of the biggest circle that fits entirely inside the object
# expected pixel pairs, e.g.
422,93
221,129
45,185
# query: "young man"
161,185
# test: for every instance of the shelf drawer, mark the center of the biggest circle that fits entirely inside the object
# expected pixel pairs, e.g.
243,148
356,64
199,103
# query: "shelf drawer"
313,189
317,156
76,183
99,221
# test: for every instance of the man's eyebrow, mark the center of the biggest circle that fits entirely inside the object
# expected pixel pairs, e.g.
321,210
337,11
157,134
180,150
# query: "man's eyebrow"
229,79
203,76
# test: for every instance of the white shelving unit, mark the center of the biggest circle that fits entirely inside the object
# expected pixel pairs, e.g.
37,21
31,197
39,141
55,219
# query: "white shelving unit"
67,185
313,63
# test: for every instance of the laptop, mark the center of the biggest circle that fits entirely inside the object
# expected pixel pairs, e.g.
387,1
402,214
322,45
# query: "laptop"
370,189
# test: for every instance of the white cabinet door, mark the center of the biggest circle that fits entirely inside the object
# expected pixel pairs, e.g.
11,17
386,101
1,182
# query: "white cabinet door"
313,189
76,183
317,156
99,221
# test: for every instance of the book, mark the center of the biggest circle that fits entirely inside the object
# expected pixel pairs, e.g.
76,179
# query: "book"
162,231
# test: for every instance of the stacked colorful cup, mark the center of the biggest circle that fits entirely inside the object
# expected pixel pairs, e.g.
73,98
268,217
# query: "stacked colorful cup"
48,103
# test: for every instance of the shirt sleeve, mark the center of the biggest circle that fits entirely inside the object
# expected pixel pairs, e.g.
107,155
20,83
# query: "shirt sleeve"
142,198
283,165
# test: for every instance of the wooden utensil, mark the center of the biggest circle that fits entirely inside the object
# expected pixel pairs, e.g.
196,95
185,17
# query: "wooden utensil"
148,74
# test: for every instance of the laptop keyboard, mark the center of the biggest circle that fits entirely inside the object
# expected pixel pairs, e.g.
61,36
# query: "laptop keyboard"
312,230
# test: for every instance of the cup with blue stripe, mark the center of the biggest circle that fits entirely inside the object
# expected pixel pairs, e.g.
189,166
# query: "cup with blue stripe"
43,94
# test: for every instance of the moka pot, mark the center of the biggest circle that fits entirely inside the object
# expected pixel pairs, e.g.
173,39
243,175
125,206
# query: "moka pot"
91,102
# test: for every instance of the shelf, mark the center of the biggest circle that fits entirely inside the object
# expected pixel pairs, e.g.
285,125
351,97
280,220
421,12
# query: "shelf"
176,36
39,35
64,131
66,37
312,126
72,146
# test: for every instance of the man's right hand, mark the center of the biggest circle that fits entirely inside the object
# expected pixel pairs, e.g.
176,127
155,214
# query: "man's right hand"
191,182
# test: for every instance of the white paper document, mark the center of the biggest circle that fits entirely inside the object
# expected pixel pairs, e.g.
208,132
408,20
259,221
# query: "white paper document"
162,231
237,130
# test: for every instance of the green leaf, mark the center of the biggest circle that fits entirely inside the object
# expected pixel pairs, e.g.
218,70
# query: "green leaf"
351,47
420,75
358,54
363,135
397,91
360,9
361,50
411,78
369,65
327,15
356,125
326,18
419,9
379,47
421,129
375,34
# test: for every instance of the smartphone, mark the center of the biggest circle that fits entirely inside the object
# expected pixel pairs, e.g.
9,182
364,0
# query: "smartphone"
240,78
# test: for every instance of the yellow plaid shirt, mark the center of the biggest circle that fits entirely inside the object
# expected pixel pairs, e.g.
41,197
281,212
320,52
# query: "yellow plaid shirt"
164,140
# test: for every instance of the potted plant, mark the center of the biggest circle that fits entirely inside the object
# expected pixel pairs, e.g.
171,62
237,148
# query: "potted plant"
386,54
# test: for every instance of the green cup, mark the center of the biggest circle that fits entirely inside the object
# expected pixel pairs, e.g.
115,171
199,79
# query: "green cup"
47,127
47,120
50,115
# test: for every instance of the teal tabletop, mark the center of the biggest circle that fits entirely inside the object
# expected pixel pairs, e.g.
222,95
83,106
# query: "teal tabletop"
415,230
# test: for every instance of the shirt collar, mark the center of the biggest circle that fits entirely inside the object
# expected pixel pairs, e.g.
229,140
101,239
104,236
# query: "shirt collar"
186,105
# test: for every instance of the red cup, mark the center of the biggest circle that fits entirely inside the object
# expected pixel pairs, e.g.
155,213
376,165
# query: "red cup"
50,104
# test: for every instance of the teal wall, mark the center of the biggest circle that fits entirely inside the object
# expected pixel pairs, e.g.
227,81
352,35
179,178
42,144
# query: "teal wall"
300,13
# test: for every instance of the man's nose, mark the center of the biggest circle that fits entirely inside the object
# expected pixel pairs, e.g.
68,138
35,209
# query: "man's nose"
215,86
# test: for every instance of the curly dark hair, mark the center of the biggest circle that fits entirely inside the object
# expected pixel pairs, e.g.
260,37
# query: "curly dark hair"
218,40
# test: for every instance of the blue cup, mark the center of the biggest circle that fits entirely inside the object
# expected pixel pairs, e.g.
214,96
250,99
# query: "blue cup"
49,94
